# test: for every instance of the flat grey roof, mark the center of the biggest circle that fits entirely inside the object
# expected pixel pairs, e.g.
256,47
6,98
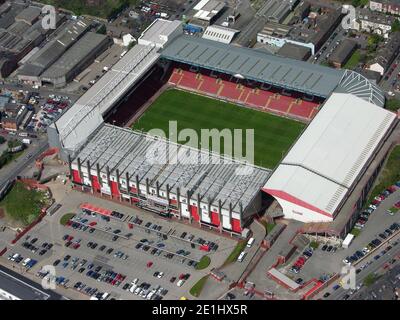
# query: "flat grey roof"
253,64
213,176
74,55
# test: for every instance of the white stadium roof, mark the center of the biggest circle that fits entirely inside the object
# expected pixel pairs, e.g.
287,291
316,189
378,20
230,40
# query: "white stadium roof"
323,164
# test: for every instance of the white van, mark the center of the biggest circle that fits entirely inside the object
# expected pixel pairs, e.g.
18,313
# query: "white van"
242,255
250,242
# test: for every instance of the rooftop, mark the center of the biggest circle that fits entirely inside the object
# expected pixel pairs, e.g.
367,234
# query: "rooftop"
290,50
343,51
328,157
212,176
74,55
264,67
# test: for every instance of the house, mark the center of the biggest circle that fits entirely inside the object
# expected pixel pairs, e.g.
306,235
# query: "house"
342,53
385,55
374,22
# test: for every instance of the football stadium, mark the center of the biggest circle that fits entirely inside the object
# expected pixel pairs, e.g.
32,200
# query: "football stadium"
320,135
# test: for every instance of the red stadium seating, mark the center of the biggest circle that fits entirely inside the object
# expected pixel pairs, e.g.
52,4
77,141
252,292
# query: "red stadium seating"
242,92
209,85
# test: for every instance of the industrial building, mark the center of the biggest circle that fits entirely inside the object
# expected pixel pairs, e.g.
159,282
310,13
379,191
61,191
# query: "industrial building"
75,59
31,71
316,182
20,32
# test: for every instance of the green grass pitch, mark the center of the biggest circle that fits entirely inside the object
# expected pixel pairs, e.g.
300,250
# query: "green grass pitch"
273,135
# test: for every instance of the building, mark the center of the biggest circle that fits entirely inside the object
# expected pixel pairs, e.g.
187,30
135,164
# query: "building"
313,33
116,164
274,34
163,177
20,32
293,51
30,72
14,116
385,6
342,53
75,59
29,15
385,55
277,10
320,173
374,22
208,11
220,34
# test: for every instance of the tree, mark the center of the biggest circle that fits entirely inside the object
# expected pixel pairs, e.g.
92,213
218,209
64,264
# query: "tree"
396,25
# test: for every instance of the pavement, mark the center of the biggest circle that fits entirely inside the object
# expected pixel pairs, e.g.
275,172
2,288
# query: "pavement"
50,230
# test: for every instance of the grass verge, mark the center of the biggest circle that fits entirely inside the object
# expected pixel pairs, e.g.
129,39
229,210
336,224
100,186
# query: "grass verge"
235,252
195,291
389,174
203,263
22,204
66,217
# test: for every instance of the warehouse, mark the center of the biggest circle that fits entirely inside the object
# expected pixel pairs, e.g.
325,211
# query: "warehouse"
78,57
324,166
53,50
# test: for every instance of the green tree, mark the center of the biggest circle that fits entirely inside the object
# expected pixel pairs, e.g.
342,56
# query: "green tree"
396,25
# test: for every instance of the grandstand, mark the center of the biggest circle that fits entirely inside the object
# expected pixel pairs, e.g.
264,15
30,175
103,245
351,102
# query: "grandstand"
113,161
319,173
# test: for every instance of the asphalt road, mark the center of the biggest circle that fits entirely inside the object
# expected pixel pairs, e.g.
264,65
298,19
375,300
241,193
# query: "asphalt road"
12,170
373,267
24,288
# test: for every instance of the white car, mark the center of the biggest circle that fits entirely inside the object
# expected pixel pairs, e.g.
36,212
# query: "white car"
138,290
390,93
135,281
160,275
133,288
180,283
365,250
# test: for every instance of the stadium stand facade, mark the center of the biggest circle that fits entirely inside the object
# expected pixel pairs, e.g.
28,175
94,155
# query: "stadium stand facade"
113,161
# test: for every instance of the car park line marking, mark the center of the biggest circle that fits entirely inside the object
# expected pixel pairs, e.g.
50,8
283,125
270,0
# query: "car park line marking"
386,241
126,238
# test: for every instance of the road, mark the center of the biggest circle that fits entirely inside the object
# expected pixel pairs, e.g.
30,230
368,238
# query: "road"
24,288
12,170
373,267
330,45
43,91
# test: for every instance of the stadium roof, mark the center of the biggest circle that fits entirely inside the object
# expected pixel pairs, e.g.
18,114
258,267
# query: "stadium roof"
331,153
261,66
86,114
213,176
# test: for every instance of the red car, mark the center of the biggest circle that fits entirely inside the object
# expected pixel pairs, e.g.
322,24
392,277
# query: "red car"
149,264
76,246
70,238
69,222
92,224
